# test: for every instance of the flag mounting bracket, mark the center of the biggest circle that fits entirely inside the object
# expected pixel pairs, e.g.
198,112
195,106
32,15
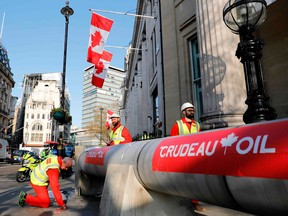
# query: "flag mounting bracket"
123,13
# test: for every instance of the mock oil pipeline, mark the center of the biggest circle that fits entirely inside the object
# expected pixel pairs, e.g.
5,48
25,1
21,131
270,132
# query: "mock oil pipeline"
242,167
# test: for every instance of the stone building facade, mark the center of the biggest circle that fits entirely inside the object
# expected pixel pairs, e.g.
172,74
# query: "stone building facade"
143,100
7,101
196,62
41,93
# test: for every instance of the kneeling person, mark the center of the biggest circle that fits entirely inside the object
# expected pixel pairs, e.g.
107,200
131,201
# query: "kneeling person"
47,172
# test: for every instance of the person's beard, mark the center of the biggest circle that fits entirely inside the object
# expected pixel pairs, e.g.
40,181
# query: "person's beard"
190,116
115,124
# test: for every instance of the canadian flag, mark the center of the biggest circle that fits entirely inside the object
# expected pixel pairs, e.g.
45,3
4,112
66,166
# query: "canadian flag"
108,120
100,70
99,31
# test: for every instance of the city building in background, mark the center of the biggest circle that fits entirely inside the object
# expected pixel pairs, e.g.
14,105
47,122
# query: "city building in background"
10,128
96,102
188,54
41,93
143,104
7,101
38,124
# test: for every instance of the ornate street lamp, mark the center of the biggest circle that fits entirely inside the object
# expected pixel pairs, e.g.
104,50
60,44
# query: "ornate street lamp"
66,11
243,17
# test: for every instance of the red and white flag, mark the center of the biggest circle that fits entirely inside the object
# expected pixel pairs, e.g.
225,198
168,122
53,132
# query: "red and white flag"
99,31
100,70
108,120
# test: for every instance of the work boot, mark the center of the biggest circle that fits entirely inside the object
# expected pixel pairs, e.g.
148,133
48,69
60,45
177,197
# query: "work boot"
22,199
197,207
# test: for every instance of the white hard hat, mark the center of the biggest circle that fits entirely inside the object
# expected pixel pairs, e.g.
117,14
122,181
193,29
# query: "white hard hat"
114,115
186,105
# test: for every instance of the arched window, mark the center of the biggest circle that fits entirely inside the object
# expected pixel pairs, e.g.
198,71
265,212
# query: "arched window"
37,127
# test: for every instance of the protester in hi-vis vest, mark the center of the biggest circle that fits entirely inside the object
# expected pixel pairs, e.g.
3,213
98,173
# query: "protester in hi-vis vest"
187,125
119,134
46,173
46,152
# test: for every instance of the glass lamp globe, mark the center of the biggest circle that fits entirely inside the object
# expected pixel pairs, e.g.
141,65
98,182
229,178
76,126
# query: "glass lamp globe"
244,15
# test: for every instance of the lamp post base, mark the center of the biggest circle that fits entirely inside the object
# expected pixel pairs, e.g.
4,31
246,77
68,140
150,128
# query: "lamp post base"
249,51
258,110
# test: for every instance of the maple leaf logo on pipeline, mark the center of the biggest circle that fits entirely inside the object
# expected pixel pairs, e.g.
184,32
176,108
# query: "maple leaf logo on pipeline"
227,142
95,154
242,146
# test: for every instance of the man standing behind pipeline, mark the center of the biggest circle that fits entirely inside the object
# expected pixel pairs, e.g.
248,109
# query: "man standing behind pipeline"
187,125
119,134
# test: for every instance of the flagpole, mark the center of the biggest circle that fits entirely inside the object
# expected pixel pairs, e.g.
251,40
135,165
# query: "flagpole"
2,26
123,13
122,47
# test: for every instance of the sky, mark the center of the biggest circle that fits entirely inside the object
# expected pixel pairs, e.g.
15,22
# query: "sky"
33,34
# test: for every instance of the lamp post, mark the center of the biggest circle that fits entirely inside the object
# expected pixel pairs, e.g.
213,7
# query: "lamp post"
66,11
101,110
243,17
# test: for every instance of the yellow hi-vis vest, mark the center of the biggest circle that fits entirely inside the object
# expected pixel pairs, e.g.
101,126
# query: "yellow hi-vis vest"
39,176
45,153
145,136
117,135
183,129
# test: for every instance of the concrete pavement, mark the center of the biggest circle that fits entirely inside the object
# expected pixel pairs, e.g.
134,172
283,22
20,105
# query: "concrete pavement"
77,205
84,206
211,210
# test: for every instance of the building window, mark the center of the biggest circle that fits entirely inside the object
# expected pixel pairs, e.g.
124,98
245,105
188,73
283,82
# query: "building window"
196,77
37,127
43,116
26,137
37,137
48,136
155,49
155,106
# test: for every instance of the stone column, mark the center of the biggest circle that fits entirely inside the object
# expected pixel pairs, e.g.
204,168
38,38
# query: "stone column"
223,81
